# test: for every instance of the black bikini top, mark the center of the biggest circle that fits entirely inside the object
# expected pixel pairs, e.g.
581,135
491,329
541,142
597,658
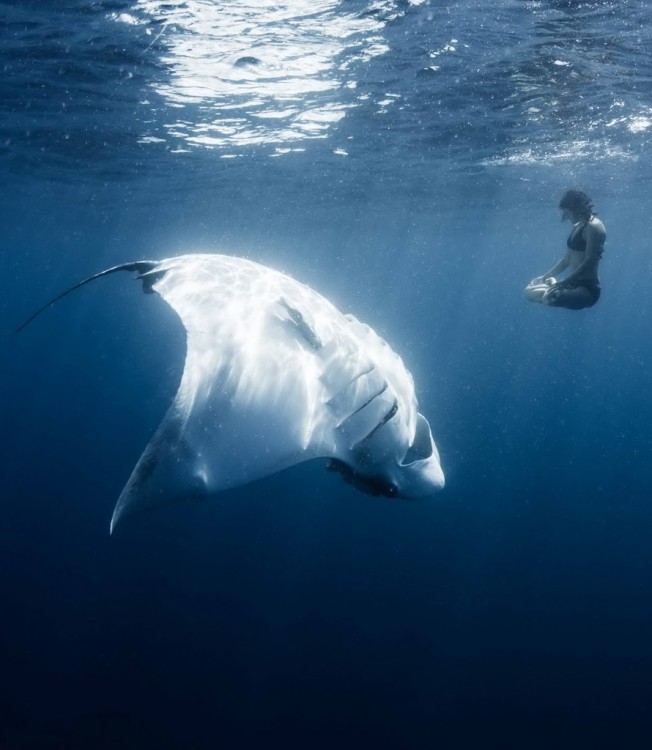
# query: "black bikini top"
575,240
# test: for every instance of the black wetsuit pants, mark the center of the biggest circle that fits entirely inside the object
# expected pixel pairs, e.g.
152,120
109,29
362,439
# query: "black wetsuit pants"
575,296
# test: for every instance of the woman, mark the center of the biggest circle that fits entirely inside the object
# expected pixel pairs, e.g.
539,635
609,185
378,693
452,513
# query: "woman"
581,287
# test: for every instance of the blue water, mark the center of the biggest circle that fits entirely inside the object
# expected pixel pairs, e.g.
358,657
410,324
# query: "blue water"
406,160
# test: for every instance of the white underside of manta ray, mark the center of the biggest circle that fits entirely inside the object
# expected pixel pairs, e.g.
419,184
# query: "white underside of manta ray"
274,376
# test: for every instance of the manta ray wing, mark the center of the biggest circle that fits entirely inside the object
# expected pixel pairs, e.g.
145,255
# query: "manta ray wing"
260,392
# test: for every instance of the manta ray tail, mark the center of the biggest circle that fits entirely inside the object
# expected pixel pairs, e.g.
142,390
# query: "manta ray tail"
141,267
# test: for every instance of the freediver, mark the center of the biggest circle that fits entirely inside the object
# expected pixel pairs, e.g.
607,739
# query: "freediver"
585,245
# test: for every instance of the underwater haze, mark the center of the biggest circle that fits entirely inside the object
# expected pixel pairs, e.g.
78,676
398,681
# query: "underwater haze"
405,159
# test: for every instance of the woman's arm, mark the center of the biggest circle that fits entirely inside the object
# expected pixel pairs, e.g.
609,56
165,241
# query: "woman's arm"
562,265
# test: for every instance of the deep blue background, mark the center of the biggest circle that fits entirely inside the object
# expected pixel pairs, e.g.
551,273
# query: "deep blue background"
513,609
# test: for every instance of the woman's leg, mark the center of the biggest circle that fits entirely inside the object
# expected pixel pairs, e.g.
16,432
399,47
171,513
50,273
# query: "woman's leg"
572,298
534,292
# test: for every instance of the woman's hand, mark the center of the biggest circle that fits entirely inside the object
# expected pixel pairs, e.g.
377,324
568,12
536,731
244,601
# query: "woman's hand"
543,281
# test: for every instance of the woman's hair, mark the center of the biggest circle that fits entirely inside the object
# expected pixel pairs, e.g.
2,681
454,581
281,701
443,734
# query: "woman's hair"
578,202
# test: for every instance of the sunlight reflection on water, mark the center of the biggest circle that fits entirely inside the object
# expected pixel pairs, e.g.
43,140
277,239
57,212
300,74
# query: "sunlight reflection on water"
249,73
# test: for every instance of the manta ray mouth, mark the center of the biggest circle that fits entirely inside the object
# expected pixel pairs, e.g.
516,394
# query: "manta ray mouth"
422,447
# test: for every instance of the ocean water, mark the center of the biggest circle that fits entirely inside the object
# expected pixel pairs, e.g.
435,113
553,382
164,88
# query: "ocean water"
405,159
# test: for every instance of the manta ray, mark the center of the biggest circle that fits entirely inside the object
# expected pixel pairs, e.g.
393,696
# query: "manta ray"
274,375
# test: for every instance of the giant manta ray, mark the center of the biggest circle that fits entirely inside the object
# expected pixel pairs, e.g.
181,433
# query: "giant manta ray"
274,376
